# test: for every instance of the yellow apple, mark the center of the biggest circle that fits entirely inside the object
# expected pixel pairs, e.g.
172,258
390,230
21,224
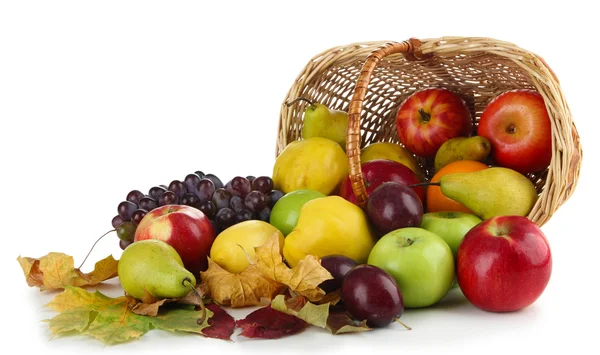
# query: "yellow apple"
231,245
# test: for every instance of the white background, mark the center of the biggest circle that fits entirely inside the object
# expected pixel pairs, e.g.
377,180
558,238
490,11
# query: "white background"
99,98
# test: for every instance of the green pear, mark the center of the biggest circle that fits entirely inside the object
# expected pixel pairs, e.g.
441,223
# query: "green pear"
491,192
320,121
156,267
462,148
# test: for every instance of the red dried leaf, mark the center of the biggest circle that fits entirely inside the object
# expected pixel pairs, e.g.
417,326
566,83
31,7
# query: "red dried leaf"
267,323
221,323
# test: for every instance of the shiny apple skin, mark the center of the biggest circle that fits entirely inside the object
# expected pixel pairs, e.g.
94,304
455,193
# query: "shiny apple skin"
430,117
518,127
504,264
185,228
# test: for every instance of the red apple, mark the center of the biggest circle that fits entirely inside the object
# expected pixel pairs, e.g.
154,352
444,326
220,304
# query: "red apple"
185,228
503,264
376,172
429,117
518,126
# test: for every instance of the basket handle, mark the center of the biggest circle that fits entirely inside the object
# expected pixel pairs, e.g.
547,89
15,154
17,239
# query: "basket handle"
411,49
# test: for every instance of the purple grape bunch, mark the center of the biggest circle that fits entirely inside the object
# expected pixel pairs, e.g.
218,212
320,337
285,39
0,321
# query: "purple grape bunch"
240,199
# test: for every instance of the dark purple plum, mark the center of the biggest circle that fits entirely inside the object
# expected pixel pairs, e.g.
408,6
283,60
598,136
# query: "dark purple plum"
338,266
393,206
370,293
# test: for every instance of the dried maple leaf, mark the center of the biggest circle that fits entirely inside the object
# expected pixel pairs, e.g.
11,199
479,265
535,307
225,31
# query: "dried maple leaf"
267,323
221,323
57,270
147,309
318,315
111,319
303,279
149,305
248,288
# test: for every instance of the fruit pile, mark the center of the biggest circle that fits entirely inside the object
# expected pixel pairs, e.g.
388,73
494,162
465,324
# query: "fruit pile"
302,240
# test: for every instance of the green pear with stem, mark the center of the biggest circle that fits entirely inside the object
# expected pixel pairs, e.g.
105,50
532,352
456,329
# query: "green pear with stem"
320,121
462,148
155,268
491,192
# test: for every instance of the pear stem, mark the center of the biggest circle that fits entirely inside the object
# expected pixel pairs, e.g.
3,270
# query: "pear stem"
89,252
405,326
188,283
425,184
310,102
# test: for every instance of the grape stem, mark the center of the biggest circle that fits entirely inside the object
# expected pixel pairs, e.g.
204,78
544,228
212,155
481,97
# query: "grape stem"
405,326
310,102
188,283
89,252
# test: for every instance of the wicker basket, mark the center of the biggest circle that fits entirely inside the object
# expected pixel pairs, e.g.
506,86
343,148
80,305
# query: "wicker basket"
370,80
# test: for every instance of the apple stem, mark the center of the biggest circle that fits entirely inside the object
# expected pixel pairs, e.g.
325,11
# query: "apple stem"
424,115
89,252
310,102
425,184
188,283
405,326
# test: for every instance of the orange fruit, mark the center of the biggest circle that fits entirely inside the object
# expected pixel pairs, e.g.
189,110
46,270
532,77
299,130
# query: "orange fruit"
436,200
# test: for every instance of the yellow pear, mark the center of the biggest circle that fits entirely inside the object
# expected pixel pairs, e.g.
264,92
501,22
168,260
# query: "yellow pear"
491,192
316,163
327,226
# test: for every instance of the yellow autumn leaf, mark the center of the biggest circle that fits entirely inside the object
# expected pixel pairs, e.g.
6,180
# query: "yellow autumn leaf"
303,279
112,321
248,288
57,270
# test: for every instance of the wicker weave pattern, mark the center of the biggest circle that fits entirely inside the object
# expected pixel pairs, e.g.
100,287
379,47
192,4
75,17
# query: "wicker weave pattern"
478,69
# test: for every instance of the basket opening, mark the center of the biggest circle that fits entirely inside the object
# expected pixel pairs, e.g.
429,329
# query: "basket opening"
477,78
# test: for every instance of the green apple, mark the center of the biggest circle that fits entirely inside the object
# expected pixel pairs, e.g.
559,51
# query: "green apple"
285,213
419,260
451,226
